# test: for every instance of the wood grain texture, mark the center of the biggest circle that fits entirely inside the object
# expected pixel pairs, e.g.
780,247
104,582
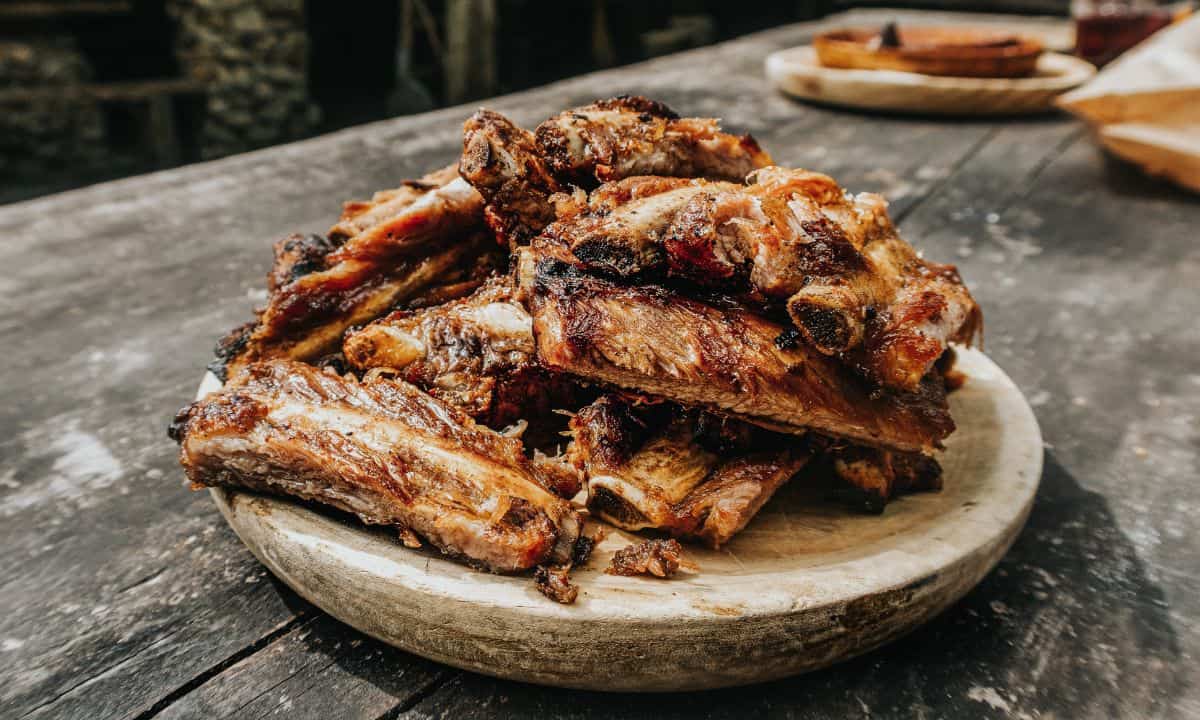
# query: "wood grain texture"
112,296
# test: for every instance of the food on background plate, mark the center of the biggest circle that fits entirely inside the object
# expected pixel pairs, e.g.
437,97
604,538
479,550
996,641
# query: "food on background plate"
942,50
621,302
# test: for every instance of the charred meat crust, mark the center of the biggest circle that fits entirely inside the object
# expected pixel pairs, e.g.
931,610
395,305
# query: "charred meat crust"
519,172
614,427
627,226
425,234
360,215
853,288
306,318
385,451
299,255
229,347
638,104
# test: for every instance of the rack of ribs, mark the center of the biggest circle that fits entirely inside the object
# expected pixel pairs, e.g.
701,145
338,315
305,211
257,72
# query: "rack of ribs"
712,324
657,466
850,284
476,353
519,172
386,452
655,340
423,242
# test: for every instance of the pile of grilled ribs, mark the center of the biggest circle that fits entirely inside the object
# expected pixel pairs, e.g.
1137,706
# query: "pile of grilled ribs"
622,309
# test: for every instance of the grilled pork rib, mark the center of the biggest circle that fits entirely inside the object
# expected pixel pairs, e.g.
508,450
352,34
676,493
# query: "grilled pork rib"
444,206
653,467
358,216
631,135
384,451
653,340
744,323
476,353
426,238
849,281
519,172
502,162
657,558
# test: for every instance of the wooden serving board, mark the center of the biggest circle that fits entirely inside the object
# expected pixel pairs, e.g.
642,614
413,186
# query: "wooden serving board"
797,72
807,584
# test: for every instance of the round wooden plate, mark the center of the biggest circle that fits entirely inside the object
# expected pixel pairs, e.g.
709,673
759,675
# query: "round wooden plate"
797,72
807,584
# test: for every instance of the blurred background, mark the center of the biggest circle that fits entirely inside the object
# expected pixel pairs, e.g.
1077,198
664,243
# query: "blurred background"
93,90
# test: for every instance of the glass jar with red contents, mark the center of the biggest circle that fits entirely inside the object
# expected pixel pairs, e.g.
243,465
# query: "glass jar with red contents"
1106,28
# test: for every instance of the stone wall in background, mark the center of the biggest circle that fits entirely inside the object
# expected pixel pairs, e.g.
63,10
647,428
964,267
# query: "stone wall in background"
45,127
253,56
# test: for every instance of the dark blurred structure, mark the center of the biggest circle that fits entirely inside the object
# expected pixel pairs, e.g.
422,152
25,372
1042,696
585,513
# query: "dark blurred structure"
96,89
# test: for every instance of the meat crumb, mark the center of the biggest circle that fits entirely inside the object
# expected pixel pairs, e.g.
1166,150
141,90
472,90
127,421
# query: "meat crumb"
660,558
408,537
554,582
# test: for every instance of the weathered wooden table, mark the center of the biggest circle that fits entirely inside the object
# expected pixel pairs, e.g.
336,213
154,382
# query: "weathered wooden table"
124,595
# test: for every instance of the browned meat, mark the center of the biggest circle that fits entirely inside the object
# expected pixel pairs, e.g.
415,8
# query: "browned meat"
424,238
660,558
476,354
684,473
384,451
443,206
296,256
554,581
306,318
519,172
873,477
653,340
502,161
630,135
849,281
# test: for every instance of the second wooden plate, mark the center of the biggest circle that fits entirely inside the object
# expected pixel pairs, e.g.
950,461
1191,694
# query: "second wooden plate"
797,72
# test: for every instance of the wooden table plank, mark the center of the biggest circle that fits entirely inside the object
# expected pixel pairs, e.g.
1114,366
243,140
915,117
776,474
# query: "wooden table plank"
125,596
